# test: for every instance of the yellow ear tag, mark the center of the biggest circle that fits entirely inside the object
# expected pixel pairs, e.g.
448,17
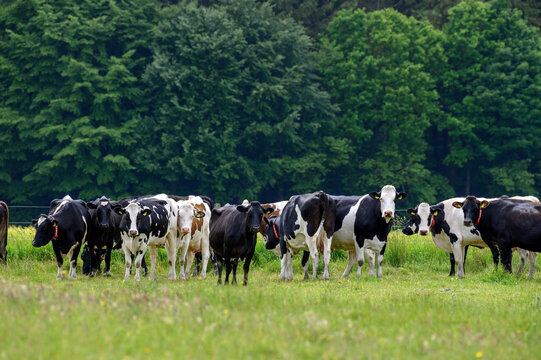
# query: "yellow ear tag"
435,213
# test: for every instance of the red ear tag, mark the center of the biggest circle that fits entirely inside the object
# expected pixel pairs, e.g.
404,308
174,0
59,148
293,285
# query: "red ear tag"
433,222
55,232
479,218
275,232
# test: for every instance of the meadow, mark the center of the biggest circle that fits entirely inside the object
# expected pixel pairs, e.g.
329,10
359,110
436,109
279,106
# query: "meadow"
416,310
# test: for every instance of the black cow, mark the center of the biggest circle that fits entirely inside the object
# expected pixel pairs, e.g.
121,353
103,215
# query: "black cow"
67,227
505,223
305,224
4,223
233,235
363,223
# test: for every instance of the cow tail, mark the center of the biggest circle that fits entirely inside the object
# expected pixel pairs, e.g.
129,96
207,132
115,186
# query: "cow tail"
327,219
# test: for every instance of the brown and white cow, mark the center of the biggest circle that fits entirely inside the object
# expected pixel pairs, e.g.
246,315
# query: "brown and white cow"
193,224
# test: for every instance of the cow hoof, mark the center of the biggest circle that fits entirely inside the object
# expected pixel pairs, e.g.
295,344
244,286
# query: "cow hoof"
107,274
172,278
60,277
73,277
126,278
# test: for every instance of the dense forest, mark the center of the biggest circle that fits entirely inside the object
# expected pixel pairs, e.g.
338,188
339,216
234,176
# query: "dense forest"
265,99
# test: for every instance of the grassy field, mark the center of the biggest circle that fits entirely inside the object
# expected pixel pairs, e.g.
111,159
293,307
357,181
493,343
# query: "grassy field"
415,311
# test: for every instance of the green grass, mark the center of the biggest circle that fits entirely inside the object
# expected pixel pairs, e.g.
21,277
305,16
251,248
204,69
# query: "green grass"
415,311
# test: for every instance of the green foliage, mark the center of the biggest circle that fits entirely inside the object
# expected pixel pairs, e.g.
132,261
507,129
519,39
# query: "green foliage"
378,67
70,94
234,103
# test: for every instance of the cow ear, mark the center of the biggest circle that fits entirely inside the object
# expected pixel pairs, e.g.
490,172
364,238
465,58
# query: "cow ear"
119,210
483,204
145,212
411,212
458,204
401,195
91,205
242,208
268,210
375,195
199,214
34,222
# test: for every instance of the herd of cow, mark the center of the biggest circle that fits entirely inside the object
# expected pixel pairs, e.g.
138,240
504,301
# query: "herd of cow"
312,223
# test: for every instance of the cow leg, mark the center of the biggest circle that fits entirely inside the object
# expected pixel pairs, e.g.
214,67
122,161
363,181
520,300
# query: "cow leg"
533,259
459,258
189,260
283,267
235,264
326,256
523,254
144,266
371,260
73,253
182,258
171,249
304,262
138,260
314,255
196,265
153,261
289,269
380,261
227,269
351,261
464,260
127,259
59,262
359,252
495,255
246,268
219,265
506,254
452,261
205,255
107,270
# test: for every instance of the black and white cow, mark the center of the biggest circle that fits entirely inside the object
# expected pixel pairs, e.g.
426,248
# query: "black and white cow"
446,225
306,223
363,223
67,227
233,236
505,223
149,222
4,224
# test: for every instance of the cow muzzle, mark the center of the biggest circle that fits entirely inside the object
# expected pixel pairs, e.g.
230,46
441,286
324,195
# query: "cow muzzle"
133,233
388,214
468,223
104,226
423,232
255,229
185,229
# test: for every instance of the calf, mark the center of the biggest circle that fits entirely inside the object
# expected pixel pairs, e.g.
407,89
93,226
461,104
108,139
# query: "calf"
363,223
233,236
149,222
67,227
193,226
505,223
305,224
4,223
446,225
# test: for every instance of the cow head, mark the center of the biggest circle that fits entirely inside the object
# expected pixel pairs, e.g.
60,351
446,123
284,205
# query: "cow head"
187,212
255,215
387,197
46,230
135,219
104,211
421,220
273,233
472,208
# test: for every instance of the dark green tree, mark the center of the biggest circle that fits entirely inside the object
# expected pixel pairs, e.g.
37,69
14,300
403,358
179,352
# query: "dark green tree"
70,95
235,107
377,67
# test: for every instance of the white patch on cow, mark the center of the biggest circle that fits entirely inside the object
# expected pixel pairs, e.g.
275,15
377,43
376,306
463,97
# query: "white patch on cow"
41,220
66,199
133,210
387,200
103,203
423,211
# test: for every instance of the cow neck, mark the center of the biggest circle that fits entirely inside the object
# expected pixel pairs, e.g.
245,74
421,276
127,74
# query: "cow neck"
479,218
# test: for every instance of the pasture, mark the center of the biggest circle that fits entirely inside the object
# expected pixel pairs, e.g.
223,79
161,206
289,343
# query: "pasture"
415,311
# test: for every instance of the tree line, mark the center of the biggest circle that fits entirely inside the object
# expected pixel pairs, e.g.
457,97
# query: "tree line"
243,99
